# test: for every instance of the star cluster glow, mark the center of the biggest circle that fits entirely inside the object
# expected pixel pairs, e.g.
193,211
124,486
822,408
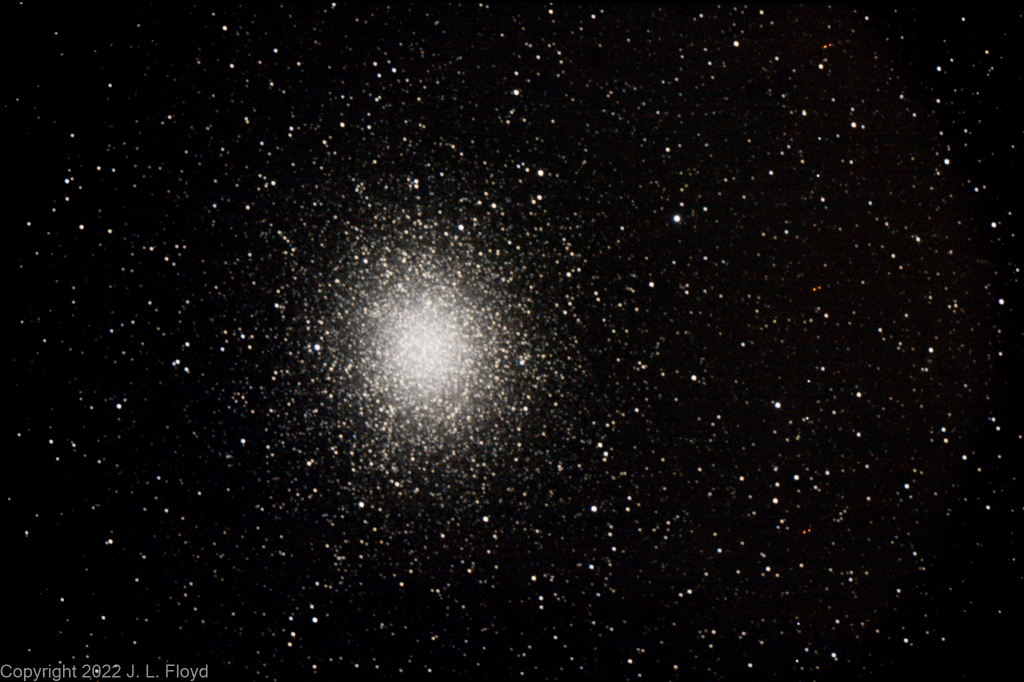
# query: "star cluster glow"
427,351
433,353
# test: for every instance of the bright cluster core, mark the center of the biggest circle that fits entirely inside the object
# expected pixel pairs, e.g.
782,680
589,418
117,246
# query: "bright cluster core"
429,356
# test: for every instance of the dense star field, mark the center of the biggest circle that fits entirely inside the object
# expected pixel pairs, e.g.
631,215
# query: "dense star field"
533,341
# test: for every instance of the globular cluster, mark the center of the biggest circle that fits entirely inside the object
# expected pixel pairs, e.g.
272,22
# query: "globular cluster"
429,352
525,341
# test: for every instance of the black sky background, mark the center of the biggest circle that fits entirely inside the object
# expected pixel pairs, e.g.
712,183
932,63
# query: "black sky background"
206,516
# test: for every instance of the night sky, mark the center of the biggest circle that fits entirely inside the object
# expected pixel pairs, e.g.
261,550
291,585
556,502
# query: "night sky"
533,341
